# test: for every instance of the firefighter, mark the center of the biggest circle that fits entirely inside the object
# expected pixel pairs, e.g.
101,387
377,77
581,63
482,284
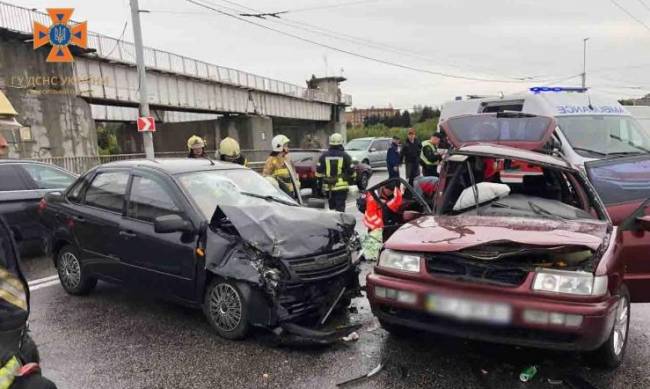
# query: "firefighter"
18,354
229,152
196,147
429,156
336,172
384,214
278,166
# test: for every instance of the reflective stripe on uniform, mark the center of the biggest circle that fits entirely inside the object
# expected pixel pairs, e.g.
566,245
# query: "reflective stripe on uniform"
12,290
423,156
341,184
9,372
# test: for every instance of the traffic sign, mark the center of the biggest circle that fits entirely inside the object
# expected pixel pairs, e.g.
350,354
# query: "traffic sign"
146,124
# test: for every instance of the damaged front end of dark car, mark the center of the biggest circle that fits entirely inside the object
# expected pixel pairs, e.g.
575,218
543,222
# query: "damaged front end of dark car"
288,268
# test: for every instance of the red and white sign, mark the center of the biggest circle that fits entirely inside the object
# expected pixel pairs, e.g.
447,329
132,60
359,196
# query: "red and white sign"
146,124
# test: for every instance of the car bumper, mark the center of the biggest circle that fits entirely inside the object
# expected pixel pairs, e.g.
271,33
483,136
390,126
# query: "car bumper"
593,331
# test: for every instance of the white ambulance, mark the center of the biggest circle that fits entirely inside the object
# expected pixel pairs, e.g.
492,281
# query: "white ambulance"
590,127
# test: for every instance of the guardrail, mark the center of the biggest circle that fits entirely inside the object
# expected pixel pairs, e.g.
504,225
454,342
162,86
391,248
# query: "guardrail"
81,164
21,20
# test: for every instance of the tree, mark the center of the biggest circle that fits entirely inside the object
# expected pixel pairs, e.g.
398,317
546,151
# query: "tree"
406,119
107,140
427,113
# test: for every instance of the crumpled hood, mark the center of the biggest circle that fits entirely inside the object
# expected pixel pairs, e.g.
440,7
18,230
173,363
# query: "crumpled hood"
452,233
289,231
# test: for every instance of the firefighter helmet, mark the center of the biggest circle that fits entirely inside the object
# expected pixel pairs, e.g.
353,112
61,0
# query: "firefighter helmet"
229,147
278,142
195,142
336,139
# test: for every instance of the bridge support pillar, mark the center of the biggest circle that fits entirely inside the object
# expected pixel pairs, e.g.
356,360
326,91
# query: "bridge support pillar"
251,131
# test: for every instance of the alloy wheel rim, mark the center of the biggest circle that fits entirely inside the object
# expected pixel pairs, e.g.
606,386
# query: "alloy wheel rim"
69,270
225,307
620,326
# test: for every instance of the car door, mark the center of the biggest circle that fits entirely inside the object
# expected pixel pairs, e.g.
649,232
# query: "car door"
383,151
163,262
374,153
18,201
623,184
95,222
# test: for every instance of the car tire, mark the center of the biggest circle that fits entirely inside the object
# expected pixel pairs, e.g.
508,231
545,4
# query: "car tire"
226,309
363,181
72,274
611,353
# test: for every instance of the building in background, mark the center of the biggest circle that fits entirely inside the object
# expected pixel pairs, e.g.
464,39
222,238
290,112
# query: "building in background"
355,117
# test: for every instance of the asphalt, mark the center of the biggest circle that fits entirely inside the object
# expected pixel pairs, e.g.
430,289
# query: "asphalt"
115,338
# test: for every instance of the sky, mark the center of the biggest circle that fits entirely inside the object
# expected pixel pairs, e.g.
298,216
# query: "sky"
539,42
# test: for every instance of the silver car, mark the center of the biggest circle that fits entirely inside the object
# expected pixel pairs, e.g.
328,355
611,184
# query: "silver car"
371,151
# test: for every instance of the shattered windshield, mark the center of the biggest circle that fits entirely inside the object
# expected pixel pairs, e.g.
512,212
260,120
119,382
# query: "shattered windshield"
211,188
598,136
511,188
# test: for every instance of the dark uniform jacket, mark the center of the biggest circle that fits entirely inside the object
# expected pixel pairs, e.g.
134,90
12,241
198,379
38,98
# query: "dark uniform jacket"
347,172
411,151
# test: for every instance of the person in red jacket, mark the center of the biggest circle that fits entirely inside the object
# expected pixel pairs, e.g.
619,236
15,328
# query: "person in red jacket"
385,213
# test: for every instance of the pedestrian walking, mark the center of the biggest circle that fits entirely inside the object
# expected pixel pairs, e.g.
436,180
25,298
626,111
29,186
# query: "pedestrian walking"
393,158
335,168
410,156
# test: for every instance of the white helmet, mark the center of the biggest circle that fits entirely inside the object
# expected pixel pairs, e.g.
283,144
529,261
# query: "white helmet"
336,139
278,142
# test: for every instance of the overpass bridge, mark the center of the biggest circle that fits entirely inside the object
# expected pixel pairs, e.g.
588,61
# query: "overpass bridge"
247,106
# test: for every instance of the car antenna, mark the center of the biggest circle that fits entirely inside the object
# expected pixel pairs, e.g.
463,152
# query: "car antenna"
474,187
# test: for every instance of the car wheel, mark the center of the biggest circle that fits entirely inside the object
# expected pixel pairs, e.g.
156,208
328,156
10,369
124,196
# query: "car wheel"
226,310
363,181
611,353
73,278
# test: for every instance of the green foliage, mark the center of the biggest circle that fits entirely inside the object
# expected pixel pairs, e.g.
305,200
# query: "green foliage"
423,130
107,141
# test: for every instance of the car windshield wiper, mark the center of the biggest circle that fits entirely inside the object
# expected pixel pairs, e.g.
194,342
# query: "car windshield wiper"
624,153
590,151
541,211
269,198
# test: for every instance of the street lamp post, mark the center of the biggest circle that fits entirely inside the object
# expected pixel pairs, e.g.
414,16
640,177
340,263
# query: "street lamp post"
584,62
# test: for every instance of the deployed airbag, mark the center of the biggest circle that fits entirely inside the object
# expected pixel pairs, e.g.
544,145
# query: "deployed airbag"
487,191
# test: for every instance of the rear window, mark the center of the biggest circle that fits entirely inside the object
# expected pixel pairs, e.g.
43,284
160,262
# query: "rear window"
621,180
490,128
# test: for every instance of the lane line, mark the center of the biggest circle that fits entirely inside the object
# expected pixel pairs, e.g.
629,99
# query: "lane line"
42,280
44,285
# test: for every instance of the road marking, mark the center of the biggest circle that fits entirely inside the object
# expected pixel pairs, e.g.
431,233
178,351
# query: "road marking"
43,283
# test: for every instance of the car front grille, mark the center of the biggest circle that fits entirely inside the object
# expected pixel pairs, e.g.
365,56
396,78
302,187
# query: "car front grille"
319,267
449,265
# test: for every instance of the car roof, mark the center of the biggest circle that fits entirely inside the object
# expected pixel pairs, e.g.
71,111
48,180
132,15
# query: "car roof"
21,161
175,165
499,151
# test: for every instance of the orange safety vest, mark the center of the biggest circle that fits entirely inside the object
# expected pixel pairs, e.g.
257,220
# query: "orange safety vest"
373,217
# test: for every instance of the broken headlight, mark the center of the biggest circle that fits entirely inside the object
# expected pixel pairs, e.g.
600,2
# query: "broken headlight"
569,282
399,261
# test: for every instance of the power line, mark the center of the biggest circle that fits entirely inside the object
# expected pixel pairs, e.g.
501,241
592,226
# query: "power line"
628,13
378,60
441,74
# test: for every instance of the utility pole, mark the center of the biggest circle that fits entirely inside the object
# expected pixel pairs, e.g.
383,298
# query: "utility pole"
147,136
584,62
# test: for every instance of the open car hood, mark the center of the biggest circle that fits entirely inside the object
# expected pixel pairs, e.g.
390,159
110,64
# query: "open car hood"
284,231
518,130
452,233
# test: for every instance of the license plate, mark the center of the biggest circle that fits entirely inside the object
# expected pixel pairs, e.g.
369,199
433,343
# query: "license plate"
469,310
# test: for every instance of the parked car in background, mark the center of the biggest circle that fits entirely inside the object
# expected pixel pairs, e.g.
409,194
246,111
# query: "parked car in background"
205,234
22,186
305,162
532,263
369,151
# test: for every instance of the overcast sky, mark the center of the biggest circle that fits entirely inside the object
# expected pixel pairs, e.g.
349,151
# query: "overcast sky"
497,39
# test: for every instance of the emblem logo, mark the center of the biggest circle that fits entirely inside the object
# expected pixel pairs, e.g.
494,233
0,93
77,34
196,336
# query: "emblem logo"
60,35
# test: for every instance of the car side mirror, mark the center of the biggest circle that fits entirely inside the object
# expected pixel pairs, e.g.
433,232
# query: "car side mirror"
644,222
373,149
171,223
316,203
410,215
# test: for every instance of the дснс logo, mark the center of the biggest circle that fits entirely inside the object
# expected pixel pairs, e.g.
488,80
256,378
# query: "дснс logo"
60,35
